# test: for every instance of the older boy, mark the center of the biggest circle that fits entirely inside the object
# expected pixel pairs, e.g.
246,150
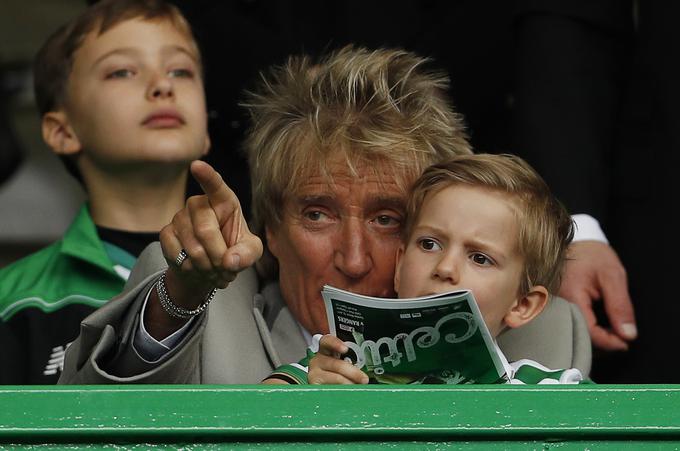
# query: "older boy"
121,96
487,223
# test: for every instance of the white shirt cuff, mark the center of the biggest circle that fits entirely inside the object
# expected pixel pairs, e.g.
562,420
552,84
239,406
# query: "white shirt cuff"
150,349
588,229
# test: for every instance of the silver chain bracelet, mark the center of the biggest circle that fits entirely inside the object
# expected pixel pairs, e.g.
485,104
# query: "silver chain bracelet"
175,310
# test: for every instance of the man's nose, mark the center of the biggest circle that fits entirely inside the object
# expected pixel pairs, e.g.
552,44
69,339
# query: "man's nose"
352,254
160,86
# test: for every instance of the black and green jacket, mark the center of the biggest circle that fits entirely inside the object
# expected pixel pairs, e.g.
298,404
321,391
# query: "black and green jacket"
45,296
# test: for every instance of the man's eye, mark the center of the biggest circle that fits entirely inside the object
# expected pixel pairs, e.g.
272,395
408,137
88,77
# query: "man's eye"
386,220
314,215
120,73
181,73
481,259
429,244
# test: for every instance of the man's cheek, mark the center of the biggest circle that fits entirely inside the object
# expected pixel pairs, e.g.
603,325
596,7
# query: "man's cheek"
316,255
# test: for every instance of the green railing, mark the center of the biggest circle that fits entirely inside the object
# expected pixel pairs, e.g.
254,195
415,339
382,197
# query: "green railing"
422,417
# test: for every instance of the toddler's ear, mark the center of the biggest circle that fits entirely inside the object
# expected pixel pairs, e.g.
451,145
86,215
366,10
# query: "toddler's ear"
527,307
58,133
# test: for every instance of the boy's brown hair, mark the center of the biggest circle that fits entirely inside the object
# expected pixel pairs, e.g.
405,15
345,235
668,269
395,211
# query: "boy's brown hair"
545,226
54,61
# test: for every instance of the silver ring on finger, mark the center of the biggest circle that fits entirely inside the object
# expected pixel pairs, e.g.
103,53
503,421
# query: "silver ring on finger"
181,257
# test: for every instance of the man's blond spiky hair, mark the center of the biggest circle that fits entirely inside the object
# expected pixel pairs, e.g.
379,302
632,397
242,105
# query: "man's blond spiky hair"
361,105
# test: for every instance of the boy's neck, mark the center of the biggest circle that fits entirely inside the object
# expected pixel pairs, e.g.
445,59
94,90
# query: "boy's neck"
137,202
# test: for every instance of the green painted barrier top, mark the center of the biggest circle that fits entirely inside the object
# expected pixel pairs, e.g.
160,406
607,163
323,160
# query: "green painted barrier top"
312,416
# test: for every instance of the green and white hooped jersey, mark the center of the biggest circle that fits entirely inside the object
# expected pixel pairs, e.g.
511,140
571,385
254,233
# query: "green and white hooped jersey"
521,372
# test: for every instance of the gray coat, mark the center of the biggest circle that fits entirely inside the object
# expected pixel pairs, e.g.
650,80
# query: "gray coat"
247,332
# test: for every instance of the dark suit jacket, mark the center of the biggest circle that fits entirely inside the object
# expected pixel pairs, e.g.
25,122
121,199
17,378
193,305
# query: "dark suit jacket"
597,113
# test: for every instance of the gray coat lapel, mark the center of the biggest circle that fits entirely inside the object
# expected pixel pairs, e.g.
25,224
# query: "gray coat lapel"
281,336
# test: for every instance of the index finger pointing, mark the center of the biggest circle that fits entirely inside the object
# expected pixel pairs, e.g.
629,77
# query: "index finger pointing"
211,182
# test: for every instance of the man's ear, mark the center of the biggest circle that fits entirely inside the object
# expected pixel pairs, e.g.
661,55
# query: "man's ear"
58,133
272,242
527,307
397,267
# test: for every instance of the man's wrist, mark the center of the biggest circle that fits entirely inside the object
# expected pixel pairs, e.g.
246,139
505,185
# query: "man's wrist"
147,347
175,310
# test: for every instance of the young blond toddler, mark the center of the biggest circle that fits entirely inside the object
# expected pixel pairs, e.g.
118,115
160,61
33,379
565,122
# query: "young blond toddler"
487,223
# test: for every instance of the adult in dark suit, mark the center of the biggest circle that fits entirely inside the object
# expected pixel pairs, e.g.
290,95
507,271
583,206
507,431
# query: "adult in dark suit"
596,112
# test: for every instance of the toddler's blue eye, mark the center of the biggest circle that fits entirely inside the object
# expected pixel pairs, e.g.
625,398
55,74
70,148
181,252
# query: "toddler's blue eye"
481,259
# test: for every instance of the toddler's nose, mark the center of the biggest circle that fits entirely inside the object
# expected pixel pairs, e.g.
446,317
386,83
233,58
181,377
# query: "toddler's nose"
448,269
